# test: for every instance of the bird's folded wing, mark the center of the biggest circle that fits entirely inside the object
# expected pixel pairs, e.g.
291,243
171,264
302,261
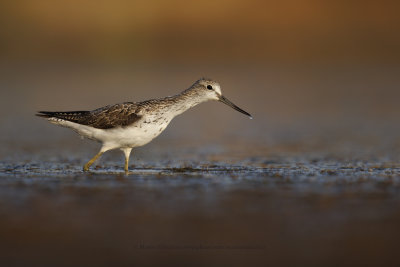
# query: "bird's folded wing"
108,117
123,114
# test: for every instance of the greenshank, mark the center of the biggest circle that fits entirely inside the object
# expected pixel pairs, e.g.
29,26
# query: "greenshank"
128,125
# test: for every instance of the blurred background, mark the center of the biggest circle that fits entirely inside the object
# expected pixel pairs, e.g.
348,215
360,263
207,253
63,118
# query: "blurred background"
309,65
313,179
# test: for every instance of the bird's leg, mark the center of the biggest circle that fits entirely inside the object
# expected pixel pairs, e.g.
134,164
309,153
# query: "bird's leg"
127,152
87,165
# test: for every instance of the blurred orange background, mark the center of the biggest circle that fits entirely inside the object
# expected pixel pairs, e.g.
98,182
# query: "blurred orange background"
330,65
206,31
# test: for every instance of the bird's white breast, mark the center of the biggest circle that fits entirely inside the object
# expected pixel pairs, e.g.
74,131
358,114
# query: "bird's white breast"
151,125
135,135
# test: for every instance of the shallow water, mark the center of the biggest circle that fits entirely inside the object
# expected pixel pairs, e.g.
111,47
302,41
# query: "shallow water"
314,179
225,204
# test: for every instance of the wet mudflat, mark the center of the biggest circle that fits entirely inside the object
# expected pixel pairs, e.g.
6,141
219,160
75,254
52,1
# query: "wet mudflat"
218,204
314,179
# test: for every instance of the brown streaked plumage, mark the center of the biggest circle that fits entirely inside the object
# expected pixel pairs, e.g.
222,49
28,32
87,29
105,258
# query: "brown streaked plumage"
107,117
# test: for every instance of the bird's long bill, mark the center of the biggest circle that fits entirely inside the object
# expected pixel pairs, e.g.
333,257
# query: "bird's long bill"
224,100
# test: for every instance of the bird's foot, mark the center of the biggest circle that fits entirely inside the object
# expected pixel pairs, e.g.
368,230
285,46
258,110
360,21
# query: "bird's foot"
86,168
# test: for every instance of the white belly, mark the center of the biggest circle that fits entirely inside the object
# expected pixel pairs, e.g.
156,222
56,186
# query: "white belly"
130,136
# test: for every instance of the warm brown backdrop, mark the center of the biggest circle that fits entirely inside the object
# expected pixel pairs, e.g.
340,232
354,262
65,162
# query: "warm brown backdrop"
331,65
206,31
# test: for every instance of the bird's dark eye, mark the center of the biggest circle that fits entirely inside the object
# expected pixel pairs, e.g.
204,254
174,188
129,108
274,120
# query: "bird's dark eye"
209,87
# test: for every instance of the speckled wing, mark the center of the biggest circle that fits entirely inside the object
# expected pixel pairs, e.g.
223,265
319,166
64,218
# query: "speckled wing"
108,117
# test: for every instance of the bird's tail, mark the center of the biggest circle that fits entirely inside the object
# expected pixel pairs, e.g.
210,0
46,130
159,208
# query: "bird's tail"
72,116
46,114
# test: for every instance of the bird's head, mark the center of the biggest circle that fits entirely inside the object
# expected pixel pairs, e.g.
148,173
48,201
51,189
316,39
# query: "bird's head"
211,90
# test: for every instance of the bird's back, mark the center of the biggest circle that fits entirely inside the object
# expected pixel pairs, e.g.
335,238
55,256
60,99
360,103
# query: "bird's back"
107,117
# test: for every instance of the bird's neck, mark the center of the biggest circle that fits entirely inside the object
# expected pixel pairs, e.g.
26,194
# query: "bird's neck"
185,100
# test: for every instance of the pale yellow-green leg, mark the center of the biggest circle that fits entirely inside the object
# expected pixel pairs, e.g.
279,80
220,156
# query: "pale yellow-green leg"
87,165
127,152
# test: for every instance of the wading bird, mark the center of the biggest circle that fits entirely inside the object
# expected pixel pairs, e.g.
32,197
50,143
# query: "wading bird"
128,125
